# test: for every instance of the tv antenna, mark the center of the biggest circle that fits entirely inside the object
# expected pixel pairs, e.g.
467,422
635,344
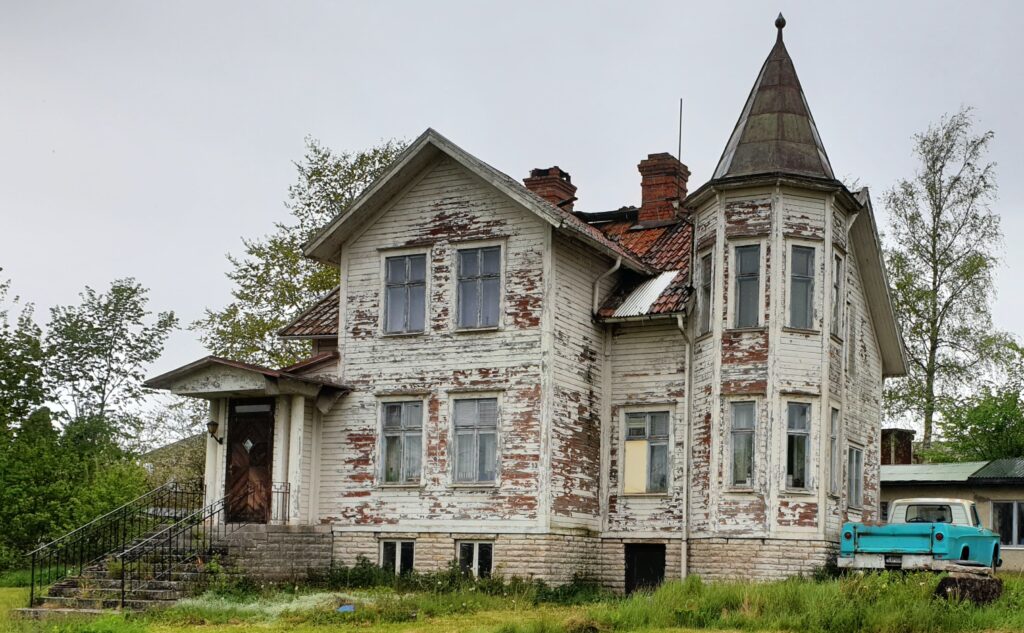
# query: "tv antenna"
679,150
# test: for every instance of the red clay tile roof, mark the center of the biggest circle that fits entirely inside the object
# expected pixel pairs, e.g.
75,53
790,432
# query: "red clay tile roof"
317,321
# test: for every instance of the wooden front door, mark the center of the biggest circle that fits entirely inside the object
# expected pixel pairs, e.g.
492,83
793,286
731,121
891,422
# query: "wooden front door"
250,450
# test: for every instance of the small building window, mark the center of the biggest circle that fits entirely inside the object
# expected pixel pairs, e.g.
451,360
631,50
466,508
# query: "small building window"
479,287
476,440
837,295
646,453
748,284
801,287
834,469
705,305
855,477
744,421
397,556
797,444
1008,522
405,293
475,558
403,442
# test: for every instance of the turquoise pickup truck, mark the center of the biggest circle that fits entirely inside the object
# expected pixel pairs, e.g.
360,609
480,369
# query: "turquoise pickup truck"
922,534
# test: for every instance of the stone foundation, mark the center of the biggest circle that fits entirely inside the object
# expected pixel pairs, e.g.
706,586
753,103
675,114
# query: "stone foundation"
280,552
757,558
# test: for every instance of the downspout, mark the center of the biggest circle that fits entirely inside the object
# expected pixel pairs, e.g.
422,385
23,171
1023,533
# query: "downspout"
684,554
597,283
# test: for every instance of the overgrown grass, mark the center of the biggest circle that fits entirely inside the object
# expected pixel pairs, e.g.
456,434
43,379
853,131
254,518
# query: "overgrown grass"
16,578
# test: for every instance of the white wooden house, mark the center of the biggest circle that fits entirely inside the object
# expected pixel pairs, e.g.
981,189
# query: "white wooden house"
689,386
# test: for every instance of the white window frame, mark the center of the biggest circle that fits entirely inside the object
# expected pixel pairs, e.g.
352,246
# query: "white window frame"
398,554
382,444
835,468
855,477
838,292
791,285
808,445
1017,525
386,254
706,296
652,440
475,567
453,436
502,254
733,433
734,284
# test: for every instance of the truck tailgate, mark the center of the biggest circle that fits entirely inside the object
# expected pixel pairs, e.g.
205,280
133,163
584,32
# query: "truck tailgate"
906,538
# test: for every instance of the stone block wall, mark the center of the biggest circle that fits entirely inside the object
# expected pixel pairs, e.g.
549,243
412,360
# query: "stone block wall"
280,552
757,558
611,570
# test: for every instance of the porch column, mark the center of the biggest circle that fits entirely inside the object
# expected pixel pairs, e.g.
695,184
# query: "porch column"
210,475
295,464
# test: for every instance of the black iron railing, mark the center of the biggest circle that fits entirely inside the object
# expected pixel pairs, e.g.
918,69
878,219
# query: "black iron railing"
112,533
279,509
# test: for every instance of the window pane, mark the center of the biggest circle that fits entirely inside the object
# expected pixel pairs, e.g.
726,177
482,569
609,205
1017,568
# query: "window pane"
487,412
395,270
748,260
413,415
657,468
796,461
490,261
743,415
416,309
465,464
392,458
393,416
803,261
800,304
483,560
469,303
490,302
798,414
417,267
746,309
1020,523
466,558
387,558
413,453
465,413
705,294
659,424
469,263
1002,522
636,425
407,557
394,320
487,443
742,458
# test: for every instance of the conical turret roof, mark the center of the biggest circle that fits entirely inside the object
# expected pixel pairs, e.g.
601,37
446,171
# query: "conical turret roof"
775,132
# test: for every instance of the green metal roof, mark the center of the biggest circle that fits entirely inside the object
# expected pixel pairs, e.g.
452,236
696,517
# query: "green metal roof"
930,473
1010,468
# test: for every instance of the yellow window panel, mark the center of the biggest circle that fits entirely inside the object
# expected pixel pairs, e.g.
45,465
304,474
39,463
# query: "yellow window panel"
634,470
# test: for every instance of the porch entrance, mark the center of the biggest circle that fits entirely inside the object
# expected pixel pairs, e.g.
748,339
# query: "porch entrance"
250,452
645,566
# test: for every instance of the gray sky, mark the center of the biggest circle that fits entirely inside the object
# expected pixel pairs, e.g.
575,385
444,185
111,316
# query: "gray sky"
146,138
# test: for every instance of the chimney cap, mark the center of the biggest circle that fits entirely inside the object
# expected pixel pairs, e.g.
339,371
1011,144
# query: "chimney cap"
540,172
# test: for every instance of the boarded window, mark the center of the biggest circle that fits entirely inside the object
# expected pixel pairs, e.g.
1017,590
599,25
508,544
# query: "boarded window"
744,421
834,470
646,453
797,444
855,477
403,442
476,558
397,556
479,287
405,292
801,287
748,276
837,295
704,319
476,440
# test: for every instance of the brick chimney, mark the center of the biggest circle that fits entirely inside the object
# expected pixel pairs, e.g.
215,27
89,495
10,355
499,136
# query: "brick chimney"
552,184
662,181
897,446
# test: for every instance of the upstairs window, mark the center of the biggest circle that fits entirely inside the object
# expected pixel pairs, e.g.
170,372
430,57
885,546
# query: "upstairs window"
476,440
479,287
837,295
704,302
797,444
748,285
801,288
833,453
646,453
403,442
404,299
744,420
855,477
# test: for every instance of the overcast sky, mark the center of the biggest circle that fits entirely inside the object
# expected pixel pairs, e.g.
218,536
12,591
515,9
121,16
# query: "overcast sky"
146,138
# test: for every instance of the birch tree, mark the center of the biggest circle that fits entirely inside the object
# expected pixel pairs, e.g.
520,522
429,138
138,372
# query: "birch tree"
945,241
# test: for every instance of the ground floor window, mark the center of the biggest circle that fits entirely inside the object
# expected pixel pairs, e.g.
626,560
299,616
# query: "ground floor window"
397,556
475,558
1008,522
855,477
646,448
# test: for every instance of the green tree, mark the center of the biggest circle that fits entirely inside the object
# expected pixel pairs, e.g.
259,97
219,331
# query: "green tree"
272,281
943,255
989,425
22,388
98,352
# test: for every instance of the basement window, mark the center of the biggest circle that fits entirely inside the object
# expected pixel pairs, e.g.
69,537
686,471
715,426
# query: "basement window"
797,444
476,558
403,442
646,453
479,292
405,293
397,556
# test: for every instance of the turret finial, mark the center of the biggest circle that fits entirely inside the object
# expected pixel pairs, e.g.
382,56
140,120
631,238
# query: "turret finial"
780,23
